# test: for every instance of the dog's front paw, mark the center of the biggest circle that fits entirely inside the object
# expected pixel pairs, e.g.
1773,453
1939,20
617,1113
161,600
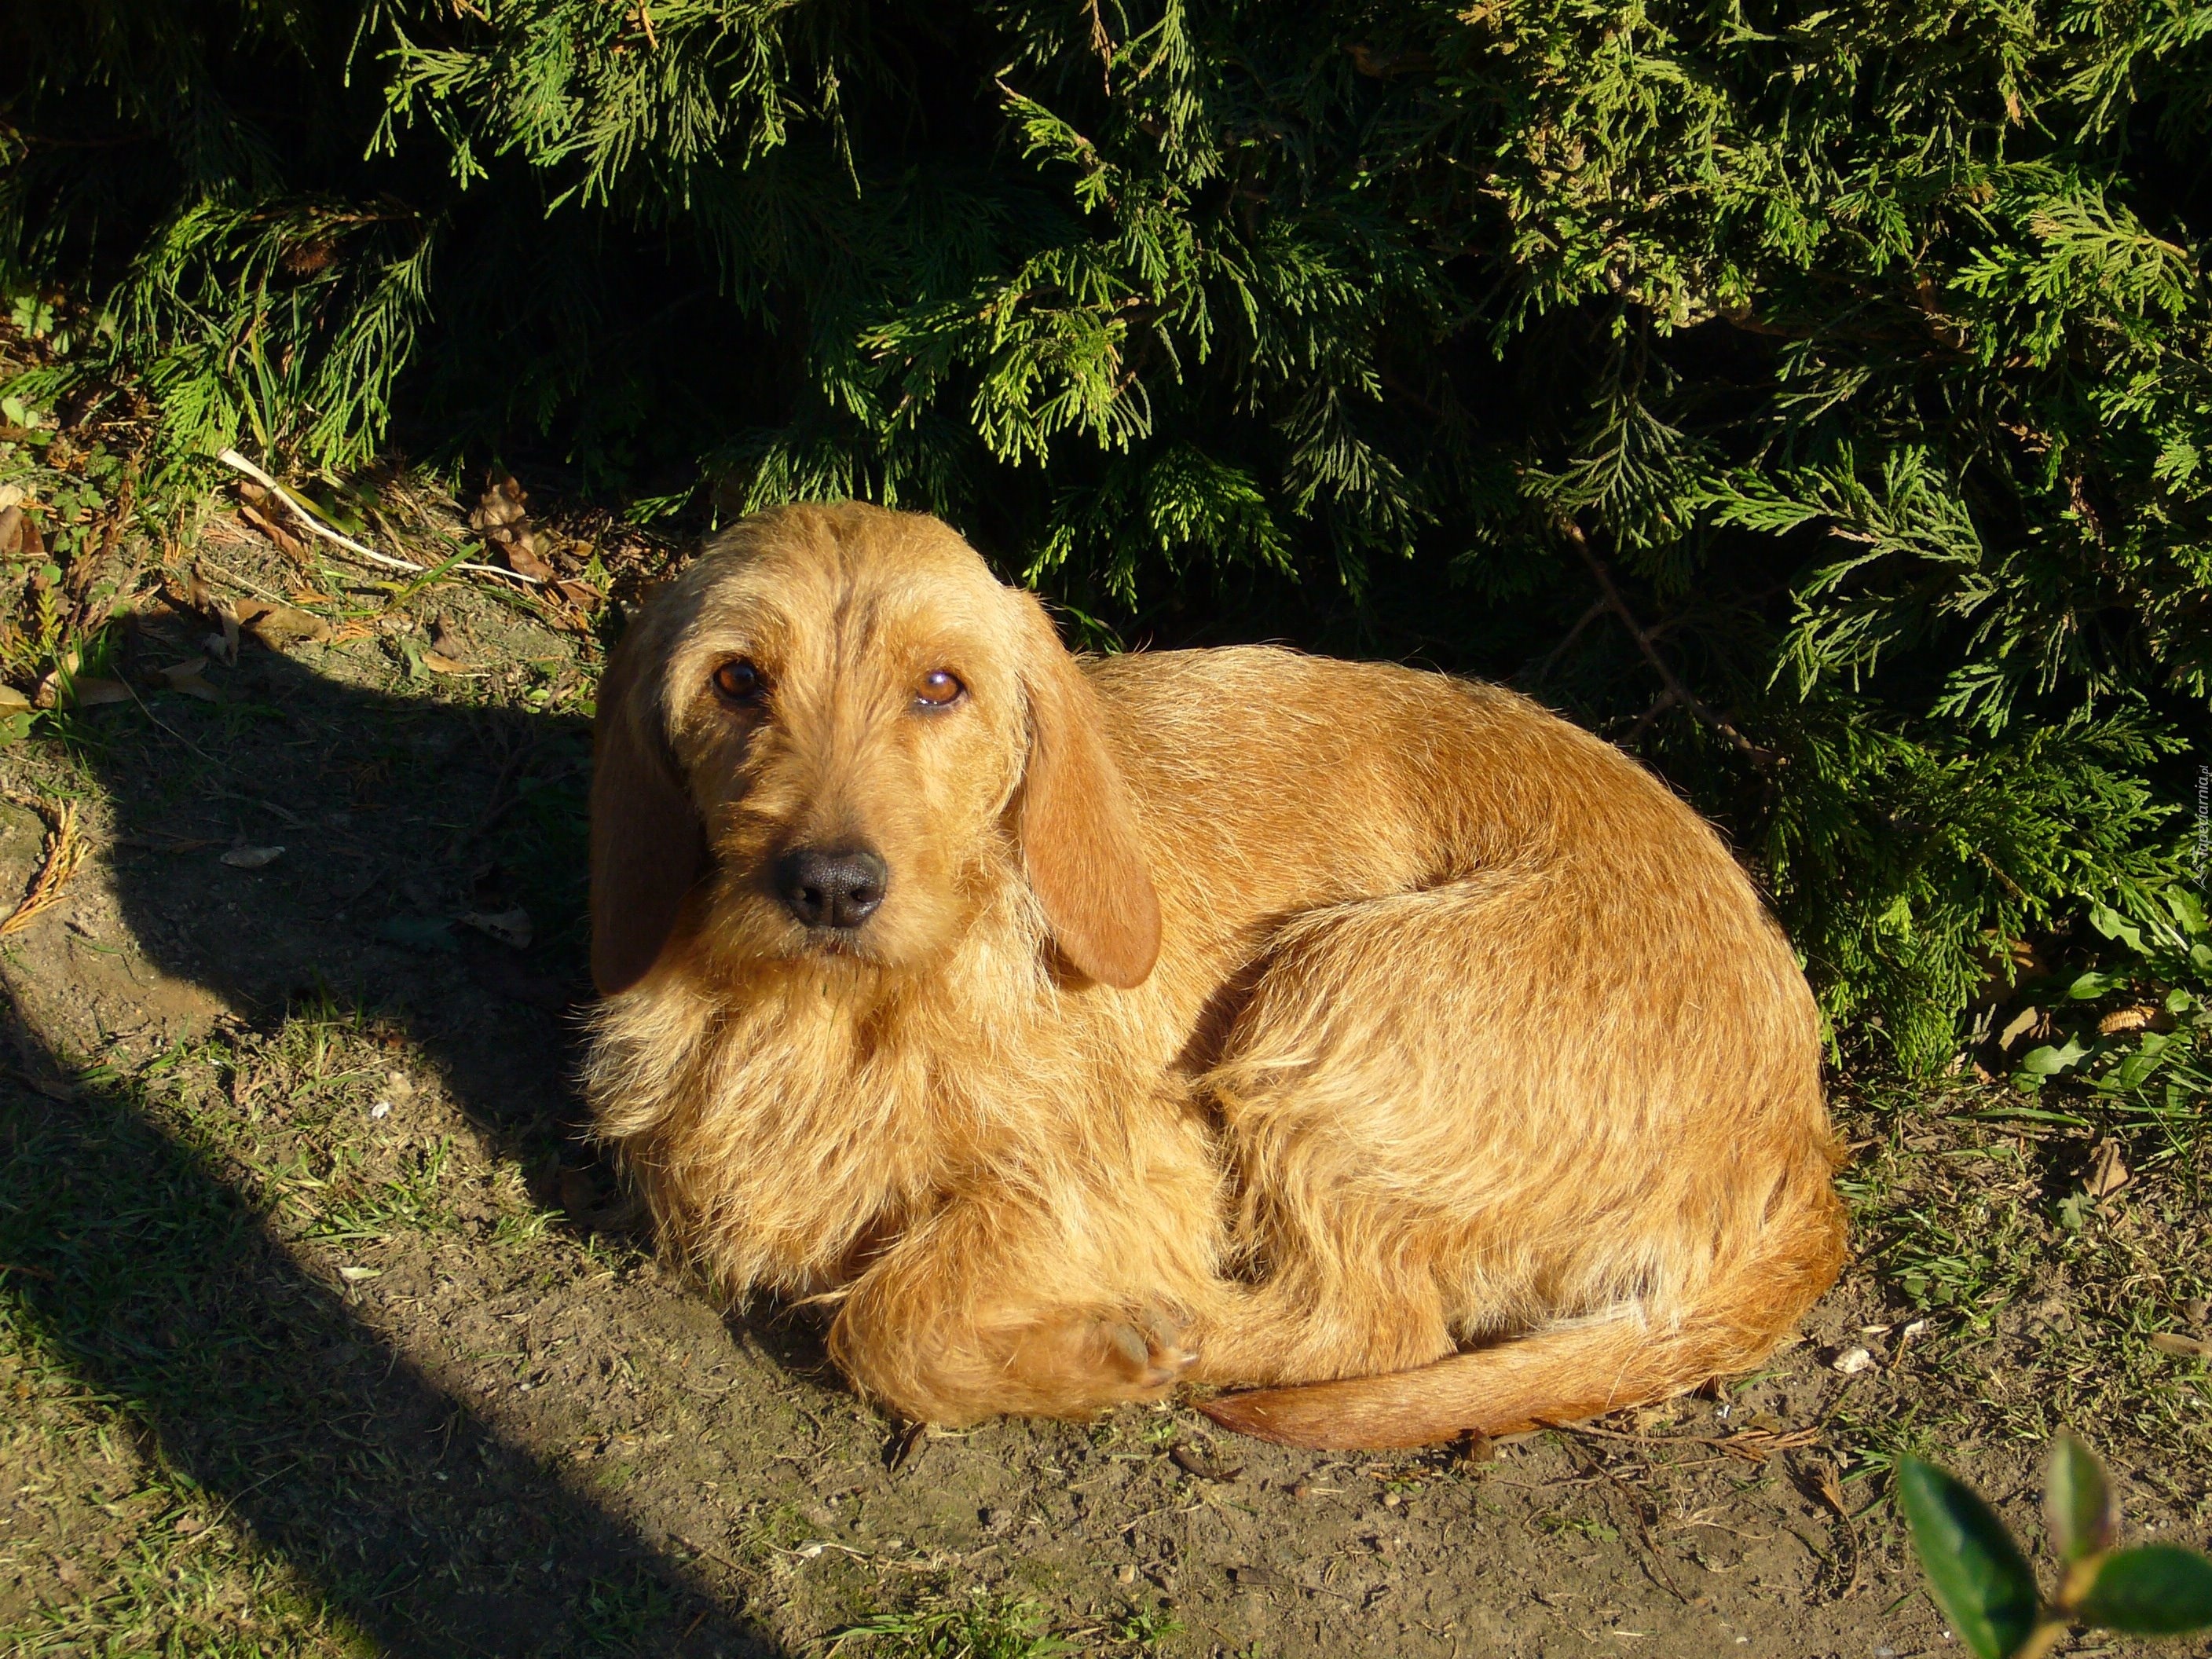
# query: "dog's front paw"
1149,1352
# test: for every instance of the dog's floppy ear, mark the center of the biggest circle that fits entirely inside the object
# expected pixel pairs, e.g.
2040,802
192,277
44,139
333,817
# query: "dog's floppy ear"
1077,827
648,844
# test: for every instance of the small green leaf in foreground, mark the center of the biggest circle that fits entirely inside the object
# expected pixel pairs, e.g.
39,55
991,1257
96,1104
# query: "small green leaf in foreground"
1975,1572
2158,1590
2076,1499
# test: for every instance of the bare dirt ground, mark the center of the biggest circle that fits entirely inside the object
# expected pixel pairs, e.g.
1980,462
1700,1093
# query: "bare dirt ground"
323,1330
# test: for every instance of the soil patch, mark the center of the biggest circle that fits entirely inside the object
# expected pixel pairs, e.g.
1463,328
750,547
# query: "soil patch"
322,1328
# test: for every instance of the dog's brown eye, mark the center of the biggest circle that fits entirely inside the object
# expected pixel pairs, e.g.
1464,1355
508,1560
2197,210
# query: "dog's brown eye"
739,681
939,689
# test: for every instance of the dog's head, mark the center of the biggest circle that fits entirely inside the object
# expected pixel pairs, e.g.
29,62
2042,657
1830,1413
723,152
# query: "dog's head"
836,735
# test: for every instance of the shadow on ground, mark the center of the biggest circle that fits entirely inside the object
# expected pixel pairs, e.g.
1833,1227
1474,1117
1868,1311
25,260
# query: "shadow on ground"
161,1279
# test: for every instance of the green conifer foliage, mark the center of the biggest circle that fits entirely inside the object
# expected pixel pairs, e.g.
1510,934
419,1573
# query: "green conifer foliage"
1817,399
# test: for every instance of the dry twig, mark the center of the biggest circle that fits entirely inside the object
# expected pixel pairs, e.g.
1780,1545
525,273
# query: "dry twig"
1752,1446
1819,1479
231,459
1676,690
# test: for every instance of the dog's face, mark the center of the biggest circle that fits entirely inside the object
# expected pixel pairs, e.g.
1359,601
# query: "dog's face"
843,733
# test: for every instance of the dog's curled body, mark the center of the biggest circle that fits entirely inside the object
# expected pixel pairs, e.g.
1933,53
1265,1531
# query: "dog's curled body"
1360,1036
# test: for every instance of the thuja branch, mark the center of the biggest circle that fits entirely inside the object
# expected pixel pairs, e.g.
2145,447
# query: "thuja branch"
1676,691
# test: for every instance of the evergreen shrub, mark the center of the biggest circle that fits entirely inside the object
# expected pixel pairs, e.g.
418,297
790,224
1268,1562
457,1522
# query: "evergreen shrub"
1815,399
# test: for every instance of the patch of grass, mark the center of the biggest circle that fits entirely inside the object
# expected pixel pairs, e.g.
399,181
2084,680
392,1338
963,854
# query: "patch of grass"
973,1627
212,1596
1146,1627
147,1606
140,1559
410,1201
623,1618
1161,1430
771,1530
523,1227
1977,1212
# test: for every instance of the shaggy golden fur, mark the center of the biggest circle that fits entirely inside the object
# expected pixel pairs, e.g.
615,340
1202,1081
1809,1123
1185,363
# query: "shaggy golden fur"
1367,1038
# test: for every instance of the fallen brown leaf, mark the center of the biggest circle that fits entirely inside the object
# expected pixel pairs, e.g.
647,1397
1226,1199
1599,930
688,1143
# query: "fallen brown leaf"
29,544
284,541
907,1441
90,692
502,506
11,530
223,647
1831,1490
48,695
279,625
164,841
2107,1172
507,927
266,513
1191,1461
439,663
185,677
2182,1347
503,518
253,857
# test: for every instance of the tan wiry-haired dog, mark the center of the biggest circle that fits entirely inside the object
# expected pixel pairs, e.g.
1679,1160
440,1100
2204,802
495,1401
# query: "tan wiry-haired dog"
1364,1038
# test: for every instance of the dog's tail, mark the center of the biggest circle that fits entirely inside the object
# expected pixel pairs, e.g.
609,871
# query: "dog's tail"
1563,1374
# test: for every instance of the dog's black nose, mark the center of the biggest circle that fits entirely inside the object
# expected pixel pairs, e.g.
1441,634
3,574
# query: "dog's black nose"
838,888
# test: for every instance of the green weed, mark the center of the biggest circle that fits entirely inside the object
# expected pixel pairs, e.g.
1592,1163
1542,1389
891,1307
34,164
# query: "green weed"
973,1627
